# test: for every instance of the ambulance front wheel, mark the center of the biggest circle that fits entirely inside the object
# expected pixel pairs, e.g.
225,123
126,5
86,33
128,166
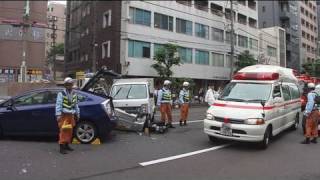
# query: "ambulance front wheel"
266,139
85,132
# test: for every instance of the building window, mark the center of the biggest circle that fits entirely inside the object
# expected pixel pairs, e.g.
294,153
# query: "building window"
303,21
217,60
51,9
157,47
302,10
106,19
263,9
185,54
228,38
201,4
88,9
253,44
242,41
216,9
272,51
139,49
202,31
183,26
242,2
303,34
217,35
304,45
264,24
140,16
228,14
187,3
162,21
106,49
252,23
202,57
252,4
242,19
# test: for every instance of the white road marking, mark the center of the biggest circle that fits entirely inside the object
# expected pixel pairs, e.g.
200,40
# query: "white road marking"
148,163
195,121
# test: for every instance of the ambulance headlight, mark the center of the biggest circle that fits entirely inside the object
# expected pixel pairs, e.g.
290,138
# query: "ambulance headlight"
254,121
210,116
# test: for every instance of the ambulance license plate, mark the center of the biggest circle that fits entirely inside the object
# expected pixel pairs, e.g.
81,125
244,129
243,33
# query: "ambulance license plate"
226,129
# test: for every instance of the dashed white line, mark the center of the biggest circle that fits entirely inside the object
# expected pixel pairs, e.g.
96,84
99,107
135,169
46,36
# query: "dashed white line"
157,161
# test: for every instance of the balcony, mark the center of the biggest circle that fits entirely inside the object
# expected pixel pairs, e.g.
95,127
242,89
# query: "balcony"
201,5
284,14
252,4
252,23
242,19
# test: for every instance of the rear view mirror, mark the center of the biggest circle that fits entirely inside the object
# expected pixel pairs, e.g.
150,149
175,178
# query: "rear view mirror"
10,105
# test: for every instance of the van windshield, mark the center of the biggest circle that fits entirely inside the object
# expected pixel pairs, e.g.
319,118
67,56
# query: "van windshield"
246,92
129,91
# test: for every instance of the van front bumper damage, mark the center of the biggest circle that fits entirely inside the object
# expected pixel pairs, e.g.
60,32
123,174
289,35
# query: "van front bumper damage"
240,132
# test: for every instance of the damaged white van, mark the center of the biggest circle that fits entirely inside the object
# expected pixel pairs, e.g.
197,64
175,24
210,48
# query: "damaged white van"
260,102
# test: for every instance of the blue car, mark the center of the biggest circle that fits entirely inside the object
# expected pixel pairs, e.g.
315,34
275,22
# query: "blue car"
33,113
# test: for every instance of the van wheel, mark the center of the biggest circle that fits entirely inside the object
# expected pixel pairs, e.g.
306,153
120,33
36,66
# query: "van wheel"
295,126
266,139
85,132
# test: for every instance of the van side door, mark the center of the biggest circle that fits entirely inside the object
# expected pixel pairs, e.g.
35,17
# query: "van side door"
278,111
287,104
295,104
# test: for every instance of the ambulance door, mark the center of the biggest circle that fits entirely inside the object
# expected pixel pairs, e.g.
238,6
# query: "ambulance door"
286,106
277,113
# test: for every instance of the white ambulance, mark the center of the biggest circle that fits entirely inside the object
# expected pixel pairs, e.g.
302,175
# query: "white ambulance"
260,102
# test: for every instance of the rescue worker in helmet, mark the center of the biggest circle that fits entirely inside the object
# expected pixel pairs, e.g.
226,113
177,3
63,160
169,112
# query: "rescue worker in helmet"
184,99
165,103
67,112
312,116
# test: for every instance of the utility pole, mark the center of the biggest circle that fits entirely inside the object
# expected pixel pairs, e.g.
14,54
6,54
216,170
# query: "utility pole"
24,27
53,20
94,43
232,43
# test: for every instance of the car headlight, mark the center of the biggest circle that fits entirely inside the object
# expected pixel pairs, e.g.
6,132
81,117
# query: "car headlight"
144,109
254,121
210,116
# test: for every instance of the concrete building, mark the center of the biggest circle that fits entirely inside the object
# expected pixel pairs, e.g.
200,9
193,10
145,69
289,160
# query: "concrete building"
318,17
309,30
57,12
286,15
272,46
14,38
129,33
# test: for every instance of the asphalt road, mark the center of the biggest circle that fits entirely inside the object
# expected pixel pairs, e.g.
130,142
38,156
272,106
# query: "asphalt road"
182,153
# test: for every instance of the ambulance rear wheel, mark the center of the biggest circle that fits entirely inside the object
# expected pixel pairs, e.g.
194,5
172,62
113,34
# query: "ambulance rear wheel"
85,132
295,126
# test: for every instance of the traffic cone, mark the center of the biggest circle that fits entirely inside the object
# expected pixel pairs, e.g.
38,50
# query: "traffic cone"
96,142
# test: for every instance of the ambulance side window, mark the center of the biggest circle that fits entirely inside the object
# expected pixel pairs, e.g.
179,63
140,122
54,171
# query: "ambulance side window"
286,93
276,92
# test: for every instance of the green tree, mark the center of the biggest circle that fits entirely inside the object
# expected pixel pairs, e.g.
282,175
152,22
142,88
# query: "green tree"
312,69
245,59
166,57
58,50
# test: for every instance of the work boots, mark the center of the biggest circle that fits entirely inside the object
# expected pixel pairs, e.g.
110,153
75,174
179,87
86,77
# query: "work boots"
306,141
62,149
185,123
314,140
180,123
169,125
68,148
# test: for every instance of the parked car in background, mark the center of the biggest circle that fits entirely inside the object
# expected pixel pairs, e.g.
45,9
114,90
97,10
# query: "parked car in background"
33,113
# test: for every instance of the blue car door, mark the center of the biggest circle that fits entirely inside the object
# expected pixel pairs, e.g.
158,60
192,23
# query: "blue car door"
27,114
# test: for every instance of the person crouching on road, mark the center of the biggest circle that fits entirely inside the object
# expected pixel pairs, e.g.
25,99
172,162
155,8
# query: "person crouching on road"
165,103
312,116
184,99
67,112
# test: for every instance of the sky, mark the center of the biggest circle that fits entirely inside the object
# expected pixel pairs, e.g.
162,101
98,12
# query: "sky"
62,2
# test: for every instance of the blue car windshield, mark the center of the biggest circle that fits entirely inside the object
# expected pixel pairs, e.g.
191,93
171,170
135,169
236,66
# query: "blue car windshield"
246,92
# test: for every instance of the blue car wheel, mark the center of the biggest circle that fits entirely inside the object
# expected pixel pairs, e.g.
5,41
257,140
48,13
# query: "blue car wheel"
85,132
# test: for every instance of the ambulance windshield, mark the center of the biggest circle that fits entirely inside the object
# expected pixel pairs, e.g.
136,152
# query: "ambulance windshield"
246,92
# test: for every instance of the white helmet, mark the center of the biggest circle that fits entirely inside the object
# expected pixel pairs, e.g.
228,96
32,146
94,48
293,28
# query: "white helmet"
185,83
311,85
166,82
68,80
317,86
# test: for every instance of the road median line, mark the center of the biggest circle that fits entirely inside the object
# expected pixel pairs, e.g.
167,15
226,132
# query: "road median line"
157,161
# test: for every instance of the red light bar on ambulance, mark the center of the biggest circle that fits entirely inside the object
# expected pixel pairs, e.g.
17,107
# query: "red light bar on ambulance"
262,76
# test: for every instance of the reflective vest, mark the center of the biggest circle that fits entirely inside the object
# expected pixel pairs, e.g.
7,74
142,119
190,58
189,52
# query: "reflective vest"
166,95
186,96
70,105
